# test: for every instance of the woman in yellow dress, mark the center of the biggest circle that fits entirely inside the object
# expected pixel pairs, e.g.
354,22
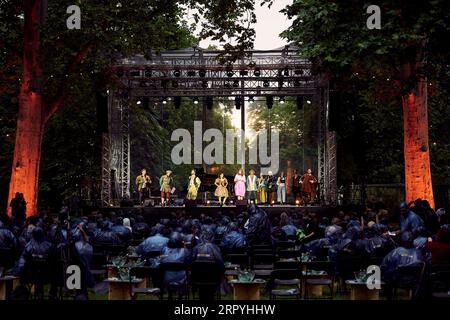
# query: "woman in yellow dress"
194,184
221,190
262,189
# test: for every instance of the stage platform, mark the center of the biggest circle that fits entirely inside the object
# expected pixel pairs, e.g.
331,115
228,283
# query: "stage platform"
157,212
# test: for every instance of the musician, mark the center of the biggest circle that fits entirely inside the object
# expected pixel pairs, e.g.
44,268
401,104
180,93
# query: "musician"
296,186
262,189
271,187
281,188
194,184
143,182
165,183
221,191
309,186
252,185
239,185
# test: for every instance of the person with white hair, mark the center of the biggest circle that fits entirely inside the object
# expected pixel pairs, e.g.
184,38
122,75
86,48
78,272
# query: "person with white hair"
127,224
271,187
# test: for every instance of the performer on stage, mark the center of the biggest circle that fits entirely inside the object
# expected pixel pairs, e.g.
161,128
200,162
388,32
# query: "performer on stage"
309,185
262,189
252,186
194,184
239,185
143,182
271,187
281,188
221,190
165,183
296,186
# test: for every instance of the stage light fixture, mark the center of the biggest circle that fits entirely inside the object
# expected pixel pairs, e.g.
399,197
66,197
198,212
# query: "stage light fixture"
299,102
202,73
297,202
120,73
257,72
177,73
177,102
236,83
209,102
252,64
251,99
266,83
191,73
146,103
164,101
281,100
204,84
195,100
139,101
237,102
308,101
230,73
286,72
148,73
243,73
269,102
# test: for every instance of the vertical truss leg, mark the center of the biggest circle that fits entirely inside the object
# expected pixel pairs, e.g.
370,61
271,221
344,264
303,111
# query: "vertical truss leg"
106,171
125,149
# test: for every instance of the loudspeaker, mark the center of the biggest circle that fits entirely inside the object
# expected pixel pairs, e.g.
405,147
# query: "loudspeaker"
102,113
190,203
240,203
149,203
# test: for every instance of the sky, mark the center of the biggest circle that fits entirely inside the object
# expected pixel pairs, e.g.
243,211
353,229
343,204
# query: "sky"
270,23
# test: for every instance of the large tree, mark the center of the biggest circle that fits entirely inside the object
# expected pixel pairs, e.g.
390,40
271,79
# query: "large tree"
406,51
51,56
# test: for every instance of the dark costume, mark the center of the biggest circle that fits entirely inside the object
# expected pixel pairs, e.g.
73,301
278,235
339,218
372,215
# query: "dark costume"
309,186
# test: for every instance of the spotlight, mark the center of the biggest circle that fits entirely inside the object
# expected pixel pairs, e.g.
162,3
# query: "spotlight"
272,203
281,100
257,72
286,72
297,202
202,73
148,73
177,102
231,201
208,202
164,101
177,73
269,102
299,102
308,101
209,102
139,101
251,99
191,73
237,102
195,100
266,83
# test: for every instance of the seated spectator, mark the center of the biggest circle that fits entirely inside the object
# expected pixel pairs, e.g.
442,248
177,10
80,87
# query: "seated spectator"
141,229
405,255
378,243
120,230
258,227
440,247
127,224
207,250
104,235
156,242
409,221
175,252
287,225
233,238
7,238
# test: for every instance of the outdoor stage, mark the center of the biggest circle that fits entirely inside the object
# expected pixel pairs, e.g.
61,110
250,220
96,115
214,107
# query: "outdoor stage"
157,212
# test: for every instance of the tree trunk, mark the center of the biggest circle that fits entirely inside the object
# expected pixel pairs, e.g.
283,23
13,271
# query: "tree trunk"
416,148
31,115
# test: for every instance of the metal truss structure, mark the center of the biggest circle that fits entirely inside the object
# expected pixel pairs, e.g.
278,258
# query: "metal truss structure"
203,73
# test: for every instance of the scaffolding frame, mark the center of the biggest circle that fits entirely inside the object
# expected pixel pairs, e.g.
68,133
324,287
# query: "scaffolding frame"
195,72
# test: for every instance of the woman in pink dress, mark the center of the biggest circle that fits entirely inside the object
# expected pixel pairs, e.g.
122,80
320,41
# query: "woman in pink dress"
239,185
